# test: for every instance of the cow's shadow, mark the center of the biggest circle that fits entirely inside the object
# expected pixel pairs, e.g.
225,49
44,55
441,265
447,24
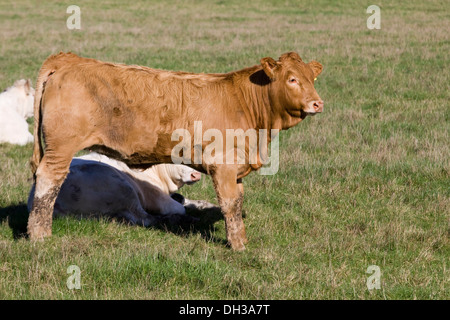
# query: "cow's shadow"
17,217
205,220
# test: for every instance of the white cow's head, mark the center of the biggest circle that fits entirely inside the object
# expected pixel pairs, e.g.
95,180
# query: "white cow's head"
19,97
170,177
181,174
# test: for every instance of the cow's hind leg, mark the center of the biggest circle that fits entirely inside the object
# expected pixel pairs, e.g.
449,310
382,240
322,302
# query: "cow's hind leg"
230,196
50,175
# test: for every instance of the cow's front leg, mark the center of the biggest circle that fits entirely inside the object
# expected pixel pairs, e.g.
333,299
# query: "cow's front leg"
230,196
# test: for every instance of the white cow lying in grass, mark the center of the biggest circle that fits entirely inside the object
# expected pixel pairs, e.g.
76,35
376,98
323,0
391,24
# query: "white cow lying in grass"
16,104
100,186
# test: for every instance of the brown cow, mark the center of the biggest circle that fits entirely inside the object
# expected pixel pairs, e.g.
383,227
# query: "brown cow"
130,113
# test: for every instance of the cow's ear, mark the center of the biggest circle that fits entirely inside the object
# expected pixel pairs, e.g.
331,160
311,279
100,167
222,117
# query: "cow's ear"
269,65
316,68
28,85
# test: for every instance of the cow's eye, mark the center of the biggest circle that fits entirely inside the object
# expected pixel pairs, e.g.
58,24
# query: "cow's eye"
292,80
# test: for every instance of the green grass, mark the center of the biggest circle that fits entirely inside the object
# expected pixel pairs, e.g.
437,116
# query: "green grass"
365,183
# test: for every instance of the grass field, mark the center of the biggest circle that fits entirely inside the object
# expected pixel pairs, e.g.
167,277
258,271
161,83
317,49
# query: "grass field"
365,183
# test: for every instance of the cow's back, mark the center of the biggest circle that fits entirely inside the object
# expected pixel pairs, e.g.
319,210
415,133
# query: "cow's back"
132,111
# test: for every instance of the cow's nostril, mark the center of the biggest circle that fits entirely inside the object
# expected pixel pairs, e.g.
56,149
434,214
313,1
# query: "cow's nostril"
318,105
195,176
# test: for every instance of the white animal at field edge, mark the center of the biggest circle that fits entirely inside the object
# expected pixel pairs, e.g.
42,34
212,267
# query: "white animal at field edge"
16,104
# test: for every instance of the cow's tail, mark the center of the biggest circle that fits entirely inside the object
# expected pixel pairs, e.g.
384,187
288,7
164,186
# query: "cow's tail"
38,151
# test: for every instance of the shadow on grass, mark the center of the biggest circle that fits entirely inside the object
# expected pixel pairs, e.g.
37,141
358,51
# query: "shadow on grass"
206,218
17,216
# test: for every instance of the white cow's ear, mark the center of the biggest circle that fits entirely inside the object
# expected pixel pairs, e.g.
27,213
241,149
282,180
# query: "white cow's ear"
269,66
28,85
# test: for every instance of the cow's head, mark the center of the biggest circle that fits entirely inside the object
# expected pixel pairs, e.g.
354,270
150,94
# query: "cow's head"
292,84
181,174
22,94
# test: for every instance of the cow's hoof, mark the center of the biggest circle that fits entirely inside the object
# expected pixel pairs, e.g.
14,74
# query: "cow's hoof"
38,233
237,246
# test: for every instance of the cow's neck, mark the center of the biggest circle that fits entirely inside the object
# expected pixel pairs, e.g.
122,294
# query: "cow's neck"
253,93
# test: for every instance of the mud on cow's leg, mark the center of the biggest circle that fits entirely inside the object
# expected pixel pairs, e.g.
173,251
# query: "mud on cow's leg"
230,195
41,215
241,197
49,177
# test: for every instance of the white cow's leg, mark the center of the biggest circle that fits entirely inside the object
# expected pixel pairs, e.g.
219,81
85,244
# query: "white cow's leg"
198,204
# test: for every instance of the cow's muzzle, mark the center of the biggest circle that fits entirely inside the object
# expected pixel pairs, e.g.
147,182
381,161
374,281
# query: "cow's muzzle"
318,106
195,176
314,107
